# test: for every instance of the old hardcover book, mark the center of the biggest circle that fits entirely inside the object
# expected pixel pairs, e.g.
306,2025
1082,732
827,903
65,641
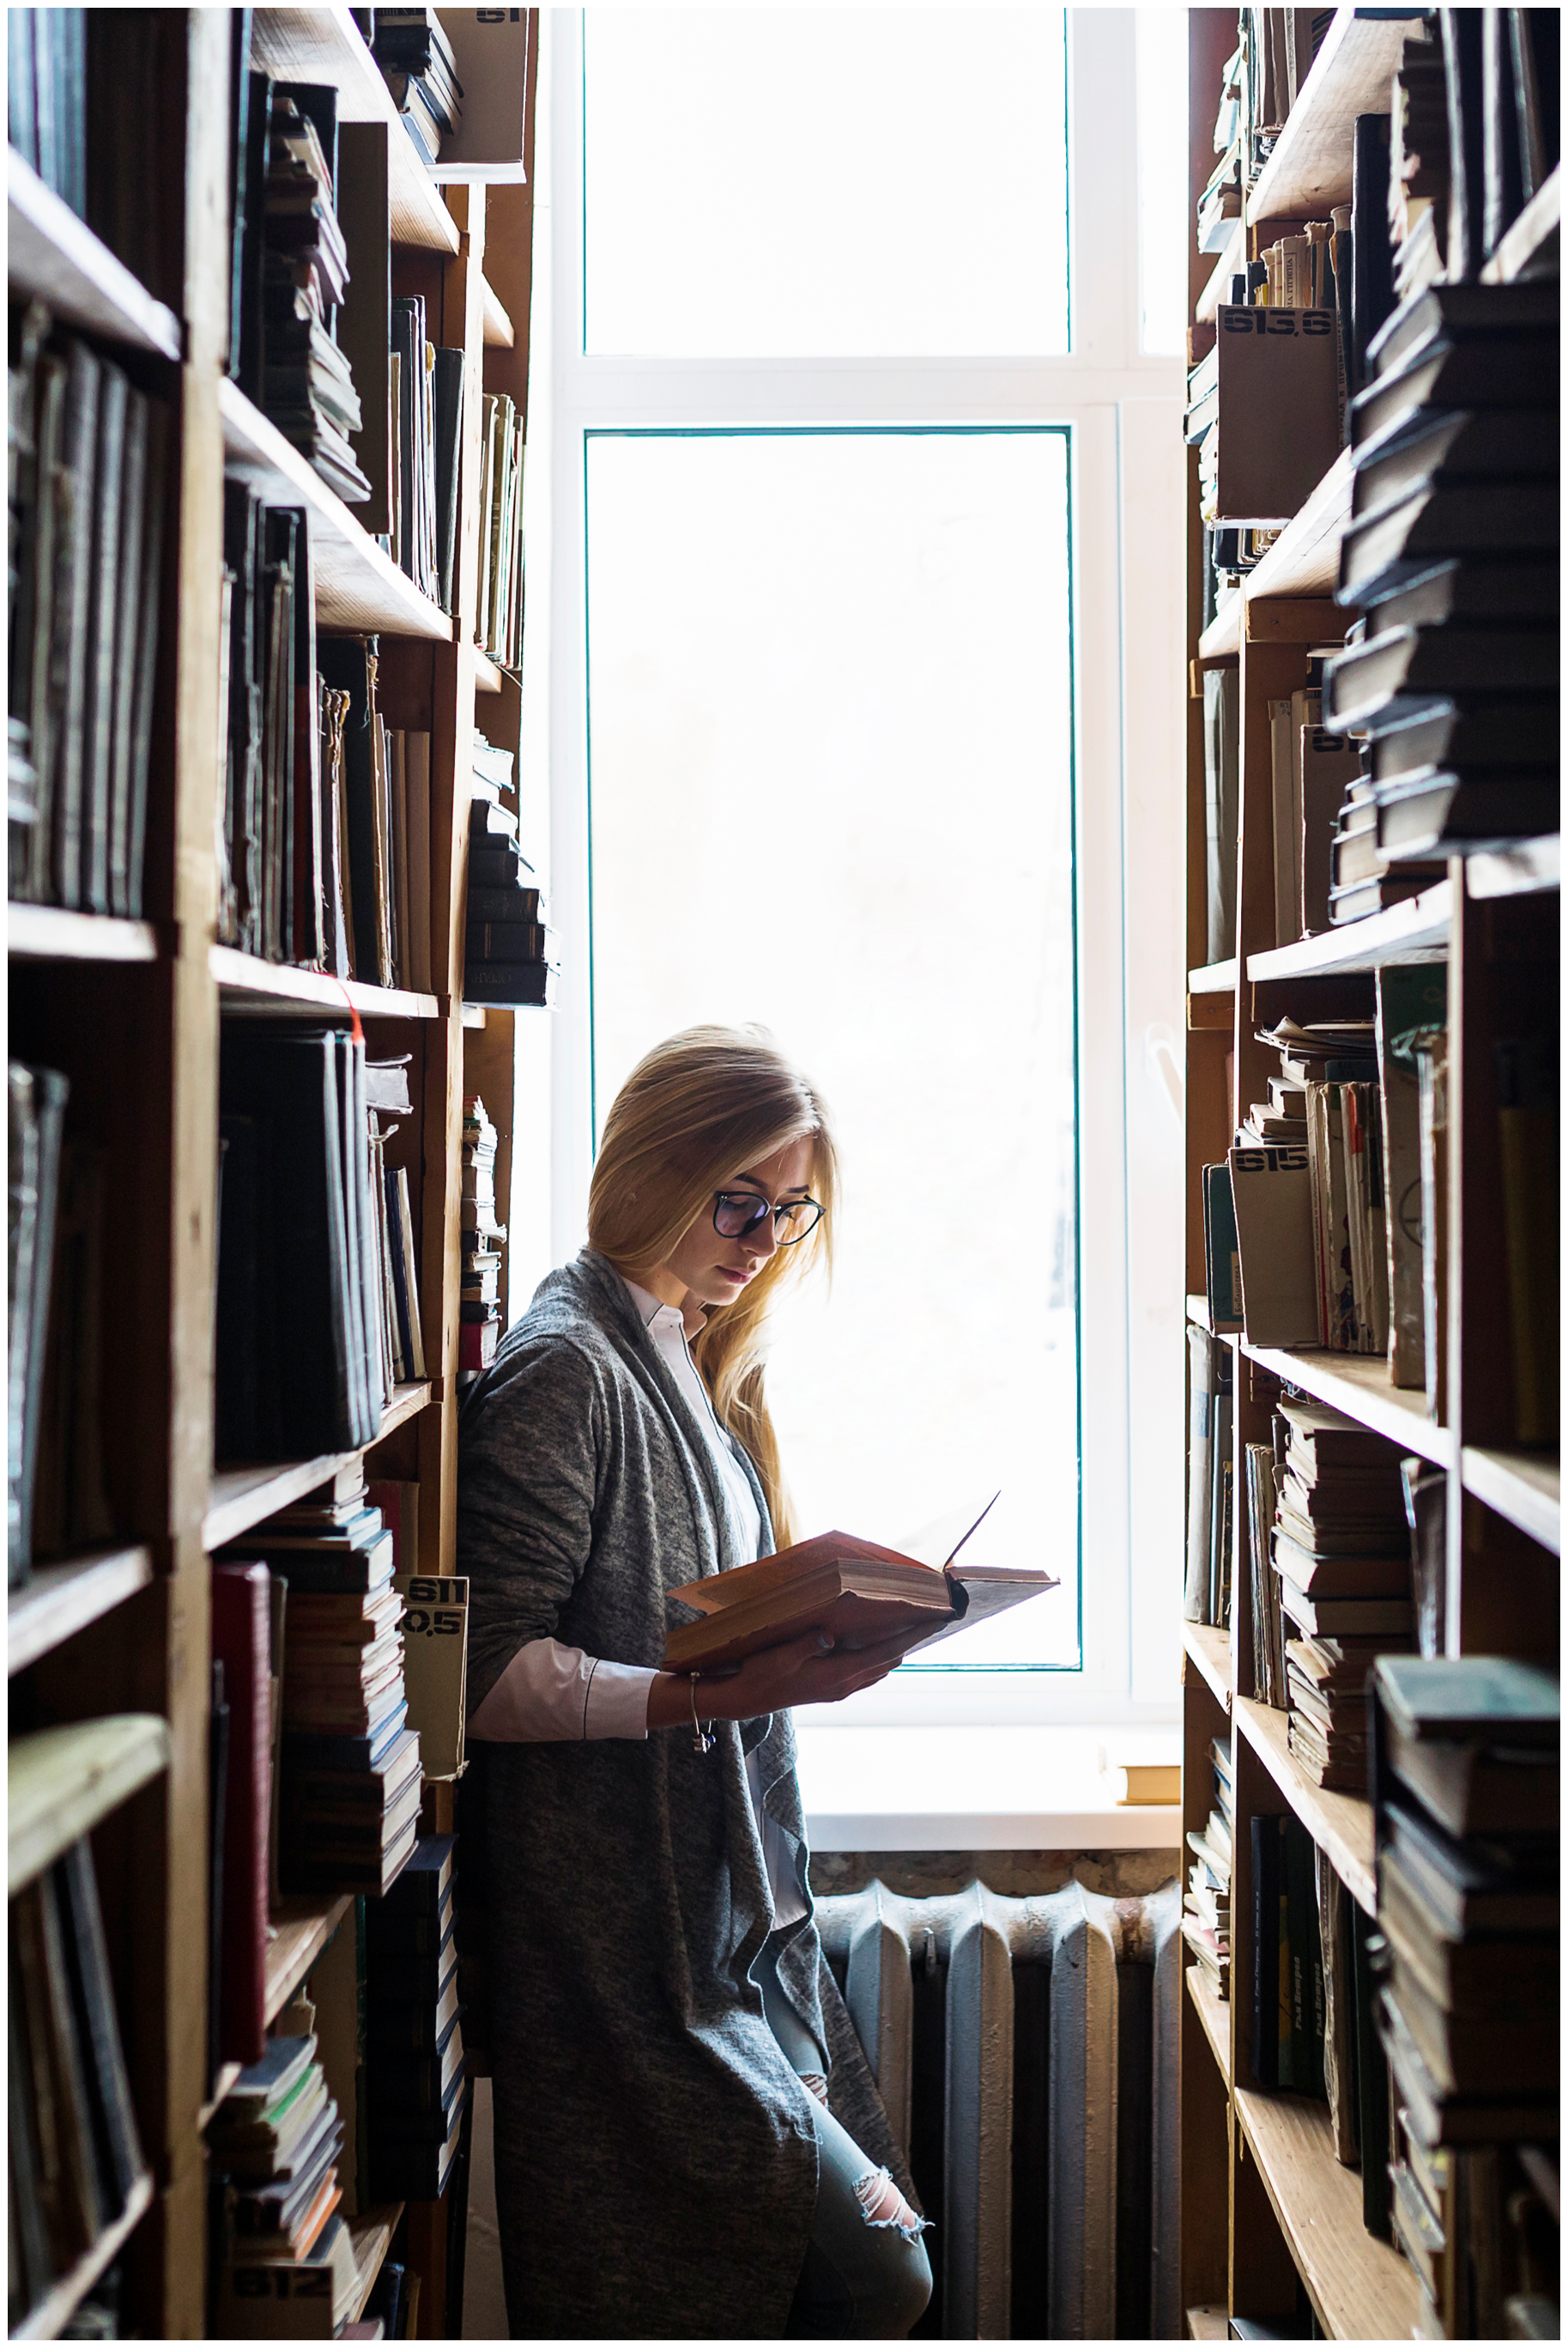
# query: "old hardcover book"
241,1604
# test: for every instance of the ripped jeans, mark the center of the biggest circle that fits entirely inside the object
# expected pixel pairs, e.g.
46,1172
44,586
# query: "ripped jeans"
866,2275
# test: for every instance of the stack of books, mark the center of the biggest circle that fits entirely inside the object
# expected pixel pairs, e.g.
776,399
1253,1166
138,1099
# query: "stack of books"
269,833
1288,1988
1210,1472
88,459
483,1240
350,1766
506,939
415,2077
1452,556
392,1199
75,2151
1206,1922
1466,1787
418,68
1340,1581
306,382
276,2140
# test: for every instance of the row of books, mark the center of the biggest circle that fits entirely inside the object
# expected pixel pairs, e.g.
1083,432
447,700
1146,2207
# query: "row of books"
499,630
414,53
276,2144
426,402
57,1497
317,1263
1210,1475
506,941
88,464
75,2151
1467,1790
483,1240
1206,1902
416,2084
1329,1584
47,97
1450,675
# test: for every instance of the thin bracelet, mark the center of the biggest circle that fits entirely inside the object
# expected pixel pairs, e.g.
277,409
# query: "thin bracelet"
702,1739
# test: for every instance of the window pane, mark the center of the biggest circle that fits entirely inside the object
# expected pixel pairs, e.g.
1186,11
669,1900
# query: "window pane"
831,743
771,182
1165,227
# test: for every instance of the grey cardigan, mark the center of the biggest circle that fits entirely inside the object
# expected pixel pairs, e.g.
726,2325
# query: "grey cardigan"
655,2155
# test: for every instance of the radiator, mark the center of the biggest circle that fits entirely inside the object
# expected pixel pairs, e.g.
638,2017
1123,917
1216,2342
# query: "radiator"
1027,2052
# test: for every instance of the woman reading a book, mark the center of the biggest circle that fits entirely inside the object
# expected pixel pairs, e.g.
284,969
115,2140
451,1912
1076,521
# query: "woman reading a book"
688,2139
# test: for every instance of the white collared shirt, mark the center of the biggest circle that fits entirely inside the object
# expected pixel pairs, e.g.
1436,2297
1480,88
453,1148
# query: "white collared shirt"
549,1692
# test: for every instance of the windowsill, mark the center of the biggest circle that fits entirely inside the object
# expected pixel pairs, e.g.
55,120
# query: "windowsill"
972,1789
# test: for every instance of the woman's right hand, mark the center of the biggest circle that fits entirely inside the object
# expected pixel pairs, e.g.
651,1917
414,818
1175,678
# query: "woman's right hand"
811,1670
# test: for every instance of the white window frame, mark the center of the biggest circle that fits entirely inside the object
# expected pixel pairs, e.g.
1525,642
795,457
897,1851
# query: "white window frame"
1123,411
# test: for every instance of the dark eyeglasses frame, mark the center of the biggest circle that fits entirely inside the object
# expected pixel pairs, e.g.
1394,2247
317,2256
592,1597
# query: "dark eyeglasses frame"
789,1206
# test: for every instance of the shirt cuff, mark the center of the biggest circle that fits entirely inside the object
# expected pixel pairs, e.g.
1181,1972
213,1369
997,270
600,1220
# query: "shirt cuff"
617,1702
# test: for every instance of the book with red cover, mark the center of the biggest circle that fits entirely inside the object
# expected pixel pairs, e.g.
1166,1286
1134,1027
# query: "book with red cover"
241,1641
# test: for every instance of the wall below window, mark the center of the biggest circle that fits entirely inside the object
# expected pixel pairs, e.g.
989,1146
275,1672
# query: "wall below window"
997,1789
1012,1874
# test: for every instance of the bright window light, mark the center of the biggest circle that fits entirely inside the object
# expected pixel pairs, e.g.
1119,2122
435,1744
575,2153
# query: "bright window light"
831,782
873,182
1165,227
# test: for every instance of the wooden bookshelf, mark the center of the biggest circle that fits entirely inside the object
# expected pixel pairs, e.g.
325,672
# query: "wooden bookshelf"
109,1652
61,1600
53,257
56,2309
60,1782
54,933
1231,264
372,2232
1267,2207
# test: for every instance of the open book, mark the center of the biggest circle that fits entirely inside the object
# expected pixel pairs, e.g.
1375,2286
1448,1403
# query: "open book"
860,1592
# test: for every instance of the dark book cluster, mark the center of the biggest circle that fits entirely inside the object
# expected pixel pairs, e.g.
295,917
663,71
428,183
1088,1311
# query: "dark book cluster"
411,46
58,1495
45,97
426,392
1466,1780
483,1240
375,825
291,271
88,453
1210,1452
75,2158
276,865
506,941
317,1301
417,2082
1330,1580
1206,1902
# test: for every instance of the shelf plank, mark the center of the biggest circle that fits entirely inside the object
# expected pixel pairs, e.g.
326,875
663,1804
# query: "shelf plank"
1525,1487
1210,1652
243,1497
244,977
1311,167
1230,262
472,1014
1415,930
61,1781
500,334
325,44
1215,2013
60,2302
487,677
51,934
1533,236
1525,869
1209,2324
1340,1824
1221,638
1357,1383
228,2074
61,1600
371,2233
1304,557
1213,978
301,1931
1198,1311
1362,2289
52,254
359,588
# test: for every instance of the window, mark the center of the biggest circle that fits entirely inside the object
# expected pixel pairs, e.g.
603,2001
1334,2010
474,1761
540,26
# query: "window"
848,516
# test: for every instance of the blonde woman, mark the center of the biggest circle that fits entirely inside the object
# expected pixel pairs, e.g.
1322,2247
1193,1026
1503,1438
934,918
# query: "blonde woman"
688,2141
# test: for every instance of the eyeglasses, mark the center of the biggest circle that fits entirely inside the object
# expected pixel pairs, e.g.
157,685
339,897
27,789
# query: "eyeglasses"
736,1212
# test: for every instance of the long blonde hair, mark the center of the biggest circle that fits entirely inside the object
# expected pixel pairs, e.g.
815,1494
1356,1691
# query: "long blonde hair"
695,1112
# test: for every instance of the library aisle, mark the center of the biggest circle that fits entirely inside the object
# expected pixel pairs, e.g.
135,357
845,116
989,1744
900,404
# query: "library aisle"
269,401
1370,1695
